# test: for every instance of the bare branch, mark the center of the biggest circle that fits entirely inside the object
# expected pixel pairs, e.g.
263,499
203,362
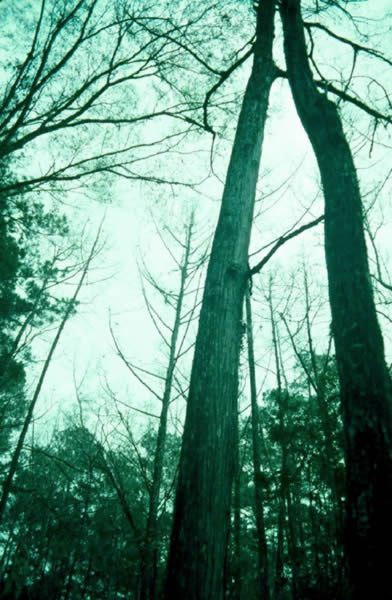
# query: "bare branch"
354,45
281,241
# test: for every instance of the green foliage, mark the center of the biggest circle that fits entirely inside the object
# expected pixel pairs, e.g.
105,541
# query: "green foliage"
66,506
303,475
27,229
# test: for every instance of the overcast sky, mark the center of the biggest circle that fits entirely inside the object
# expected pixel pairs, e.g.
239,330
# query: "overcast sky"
114,288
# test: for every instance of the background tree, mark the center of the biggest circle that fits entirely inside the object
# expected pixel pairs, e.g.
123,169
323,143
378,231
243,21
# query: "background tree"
26,301
183,306
69,308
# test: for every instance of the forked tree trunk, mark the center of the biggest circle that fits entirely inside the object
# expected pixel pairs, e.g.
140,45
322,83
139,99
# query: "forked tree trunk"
364,380
202,506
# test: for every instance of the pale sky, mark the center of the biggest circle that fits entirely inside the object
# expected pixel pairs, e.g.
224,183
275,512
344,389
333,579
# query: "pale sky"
86,347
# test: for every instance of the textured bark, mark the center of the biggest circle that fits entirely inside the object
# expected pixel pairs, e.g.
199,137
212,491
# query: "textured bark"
202,505
364,380
262,548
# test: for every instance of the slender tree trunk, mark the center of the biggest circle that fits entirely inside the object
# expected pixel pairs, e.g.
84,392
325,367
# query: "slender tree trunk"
149,566
283,465
293,544
257,471
278,576
19,336
364,380
30,411
202,506
284,490
237,571
314,529
316,380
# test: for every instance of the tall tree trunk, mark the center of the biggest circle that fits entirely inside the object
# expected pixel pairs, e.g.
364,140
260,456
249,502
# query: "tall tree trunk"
202,506
257,472
364,380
